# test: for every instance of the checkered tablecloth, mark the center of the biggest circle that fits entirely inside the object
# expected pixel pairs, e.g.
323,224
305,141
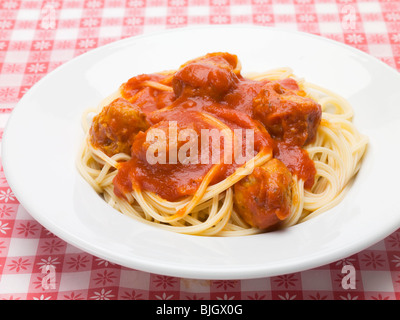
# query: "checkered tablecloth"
38,36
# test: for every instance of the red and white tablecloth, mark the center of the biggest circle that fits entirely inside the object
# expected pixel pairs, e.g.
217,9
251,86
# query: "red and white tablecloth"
38,36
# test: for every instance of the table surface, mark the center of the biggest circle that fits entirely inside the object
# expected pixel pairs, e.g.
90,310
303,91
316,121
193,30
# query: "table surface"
38,36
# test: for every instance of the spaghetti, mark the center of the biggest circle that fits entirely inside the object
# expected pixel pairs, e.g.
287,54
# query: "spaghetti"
328,150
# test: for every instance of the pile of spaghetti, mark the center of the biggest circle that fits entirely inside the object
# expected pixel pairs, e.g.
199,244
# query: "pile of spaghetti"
145,152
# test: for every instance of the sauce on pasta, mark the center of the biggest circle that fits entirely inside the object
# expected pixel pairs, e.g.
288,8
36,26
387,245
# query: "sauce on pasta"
231,99
303,155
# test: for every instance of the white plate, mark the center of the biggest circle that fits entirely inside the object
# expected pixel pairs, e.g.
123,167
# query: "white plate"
43,134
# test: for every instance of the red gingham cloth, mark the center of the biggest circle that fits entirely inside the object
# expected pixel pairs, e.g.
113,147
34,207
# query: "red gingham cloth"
38,36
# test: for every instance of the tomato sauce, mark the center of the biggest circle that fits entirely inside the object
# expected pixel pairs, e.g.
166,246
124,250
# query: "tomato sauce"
225,102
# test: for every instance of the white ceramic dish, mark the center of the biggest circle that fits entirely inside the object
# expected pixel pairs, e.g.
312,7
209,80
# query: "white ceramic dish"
43,134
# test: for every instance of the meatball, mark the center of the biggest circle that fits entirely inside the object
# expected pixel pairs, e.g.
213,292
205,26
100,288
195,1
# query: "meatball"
212,75
149,98
263,198
114,128
287,114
